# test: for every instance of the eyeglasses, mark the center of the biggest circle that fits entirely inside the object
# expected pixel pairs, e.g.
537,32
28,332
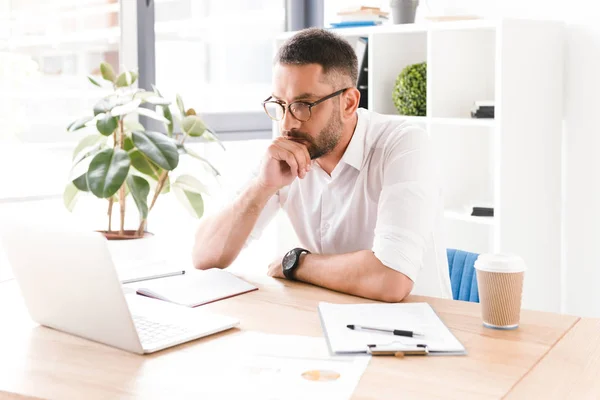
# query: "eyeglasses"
301,110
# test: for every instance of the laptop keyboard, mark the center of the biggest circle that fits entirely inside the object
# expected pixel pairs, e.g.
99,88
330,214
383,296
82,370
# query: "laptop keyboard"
151,332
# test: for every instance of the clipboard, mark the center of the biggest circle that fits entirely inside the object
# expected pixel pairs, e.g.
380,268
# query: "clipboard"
436,338
397,351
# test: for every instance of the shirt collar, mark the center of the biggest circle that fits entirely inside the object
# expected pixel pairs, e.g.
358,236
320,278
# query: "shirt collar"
355,151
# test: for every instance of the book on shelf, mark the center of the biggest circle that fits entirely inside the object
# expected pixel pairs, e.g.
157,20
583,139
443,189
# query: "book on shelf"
362,83
353,24
360,16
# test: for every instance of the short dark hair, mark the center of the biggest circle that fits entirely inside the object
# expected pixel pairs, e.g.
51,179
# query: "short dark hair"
319,46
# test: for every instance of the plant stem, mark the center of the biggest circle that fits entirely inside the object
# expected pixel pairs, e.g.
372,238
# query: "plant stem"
122,188
110,206
159,187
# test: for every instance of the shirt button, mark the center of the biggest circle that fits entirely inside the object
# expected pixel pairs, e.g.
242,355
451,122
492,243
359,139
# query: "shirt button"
326,226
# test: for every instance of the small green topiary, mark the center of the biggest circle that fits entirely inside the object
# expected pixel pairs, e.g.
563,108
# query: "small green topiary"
410,90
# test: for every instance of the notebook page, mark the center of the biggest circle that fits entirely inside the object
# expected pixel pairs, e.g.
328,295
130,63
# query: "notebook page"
195,287
418,317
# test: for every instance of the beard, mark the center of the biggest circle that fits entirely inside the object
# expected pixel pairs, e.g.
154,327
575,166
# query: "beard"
325,142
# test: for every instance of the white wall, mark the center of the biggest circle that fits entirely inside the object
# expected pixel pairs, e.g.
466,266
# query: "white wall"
581,261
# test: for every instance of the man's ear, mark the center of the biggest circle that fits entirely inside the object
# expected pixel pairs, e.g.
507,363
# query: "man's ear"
352,99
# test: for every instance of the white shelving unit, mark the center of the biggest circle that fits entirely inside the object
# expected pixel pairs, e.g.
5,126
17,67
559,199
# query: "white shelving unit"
512,161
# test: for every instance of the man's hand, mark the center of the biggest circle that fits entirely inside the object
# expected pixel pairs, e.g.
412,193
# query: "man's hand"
284,161
275,269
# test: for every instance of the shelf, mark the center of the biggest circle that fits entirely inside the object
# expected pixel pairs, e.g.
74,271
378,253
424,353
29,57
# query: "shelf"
409,118
488,122
485,122
464,217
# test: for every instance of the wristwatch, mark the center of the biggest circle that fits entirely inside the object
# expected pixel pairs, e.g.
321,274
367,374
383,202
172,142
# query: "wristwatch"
290,262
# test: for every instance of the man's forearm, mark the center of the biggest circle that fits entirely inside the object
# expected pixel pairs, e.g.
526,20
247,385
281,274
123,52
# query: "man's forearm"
221,237
359,273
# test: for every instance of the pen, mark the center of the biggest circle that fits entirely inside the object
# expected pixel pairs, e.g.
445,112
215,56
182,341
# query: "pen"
397,332
147,278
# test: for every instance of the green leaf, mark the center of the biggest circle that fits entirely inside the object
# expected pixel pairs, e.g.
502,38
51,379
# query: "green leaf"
152,114
81,183
180,105
103,106
169,116
197,156
157,147
107,125
128,144
134,76
141,163
193,125
139,189
70,196
190,184
87,143
152,98
107,172
107,71
126,108
95,82
192,202
212,137
126,79
133,125
78,124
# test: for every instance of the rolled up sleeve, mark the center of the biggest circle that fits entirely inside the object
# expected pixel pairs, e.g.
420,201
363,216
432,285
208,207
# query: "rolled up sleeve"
406,207
268,212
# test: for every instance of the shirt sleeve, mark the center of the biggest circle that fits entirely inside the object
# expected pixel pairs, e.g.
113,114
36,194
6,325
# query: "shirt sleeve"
266,215
407,206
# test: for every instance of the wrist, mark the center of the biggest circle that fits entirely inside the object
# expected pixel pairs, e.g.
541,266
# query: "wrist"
263,188
291,262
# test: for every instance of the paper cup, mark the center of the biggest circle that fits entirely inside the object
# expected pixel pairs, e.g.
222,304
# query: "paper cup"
500,282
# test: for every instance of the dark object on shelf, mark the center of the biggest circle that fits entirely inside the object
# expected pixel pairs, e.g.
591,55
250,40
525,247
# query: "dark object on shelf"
362,84
482,212
410,90
482,111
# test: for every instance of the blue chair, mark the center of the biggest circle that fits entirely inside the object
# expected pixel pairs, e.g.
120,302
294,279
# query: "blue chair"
462,275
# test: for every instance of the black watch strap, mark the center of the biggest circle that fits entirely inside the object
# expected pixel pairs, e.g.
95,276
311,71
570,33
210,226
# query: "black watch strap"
291,261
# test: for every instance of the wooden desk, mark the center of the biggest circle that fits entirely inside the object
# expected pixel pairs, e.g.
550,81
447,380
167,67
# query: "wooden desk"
570,370
36,361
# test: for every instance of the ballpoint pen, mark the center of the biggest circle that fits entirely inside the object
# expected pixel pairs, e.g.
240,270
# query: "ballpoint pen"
397,332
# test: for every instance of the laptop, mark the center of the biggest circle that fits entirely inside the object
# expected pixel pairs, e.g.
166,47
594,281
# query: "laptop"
70,284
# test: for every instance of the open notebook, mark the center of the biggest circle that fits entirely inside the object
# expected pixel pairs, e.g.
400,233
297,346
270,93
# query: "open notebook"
418,317
194,288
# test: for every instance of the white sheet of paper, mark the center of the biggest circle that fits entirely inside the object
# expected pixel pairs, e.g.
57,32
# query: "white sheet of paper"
194,288
418,317
289,367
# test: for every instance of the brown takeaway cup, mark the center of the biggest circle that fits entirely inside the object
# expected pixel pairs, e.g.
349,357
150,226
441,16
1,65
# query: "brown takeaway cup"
500,282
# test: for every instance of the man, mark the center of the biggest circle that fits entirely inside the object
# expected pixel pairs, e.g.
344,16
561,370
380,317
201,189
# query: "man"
358,187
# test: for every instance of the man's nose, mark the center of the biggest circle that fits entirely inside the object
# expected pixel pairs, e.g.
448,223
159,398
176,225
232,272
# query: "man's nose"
289,122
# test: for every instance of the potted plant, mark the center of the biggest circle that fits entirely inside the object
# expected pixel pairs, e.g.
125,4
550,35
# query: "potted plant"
122,159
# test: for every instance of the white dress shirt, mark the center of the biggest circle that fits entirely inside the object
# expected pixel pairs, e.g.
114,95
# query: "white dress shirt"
383,195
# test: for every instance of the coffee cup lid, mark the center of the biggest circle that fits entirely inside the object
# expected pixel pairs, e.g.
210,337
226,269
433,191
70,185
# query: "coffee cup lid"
504,263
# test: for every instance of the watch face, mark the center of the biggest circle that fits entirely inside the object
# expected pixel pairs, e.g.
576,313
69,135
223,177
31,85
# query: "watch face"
288,260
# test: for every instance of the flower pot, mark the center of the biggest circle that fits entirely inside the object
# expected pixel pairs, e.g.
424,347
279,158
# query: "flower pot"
403,11
127,235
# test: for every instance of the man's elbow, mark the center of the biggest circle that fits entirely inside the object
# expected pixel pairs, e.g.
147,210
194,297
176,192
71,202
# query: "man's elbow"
396,287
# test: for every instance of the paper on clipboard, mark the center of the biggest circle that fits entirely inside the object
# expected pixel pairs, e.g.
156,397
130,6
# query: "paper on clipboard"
410,316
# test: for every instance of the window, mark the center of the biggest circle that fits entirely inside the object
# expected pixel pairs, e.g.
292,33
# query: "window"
46,51
218,56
